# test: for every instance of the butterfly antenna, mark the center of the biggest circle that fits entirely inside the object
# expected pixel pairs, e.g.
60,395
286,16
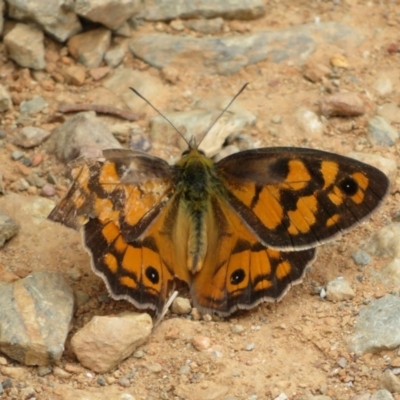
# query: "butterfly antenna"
223,112
160,114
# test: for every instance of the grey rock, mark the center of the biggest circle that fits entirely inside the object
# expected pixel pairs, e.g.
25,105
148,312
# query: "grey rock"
381,133
115,56
33,106
390,381
56,17
377,327
382,395
5,98
34,318
35,180
227,55
148,85
124,30
90,47
159,10
82,135
17,155
31,136
338,290
8,228
110,13
361,257
25,46
206,26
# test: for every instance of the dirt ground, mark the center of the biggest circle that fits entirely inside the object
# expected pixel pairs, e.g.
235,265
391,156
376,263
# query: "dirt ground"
297,342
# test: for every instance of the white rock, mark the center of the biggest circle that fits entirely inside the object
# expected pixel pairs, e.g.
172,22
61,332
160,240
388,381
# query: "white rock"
181,306
105,341
338,290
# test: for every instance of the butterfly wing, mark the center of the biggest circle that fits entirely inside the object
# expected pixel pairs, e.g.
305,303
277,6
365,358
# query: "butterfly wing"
122,201
239,272
297,198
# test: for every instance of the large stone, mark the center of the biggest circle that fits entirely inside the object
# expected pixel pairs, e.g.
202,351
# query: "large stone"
82,135
90,47
56,17
35,315
161,10
377,326
25,46
105,341
110,13
227,55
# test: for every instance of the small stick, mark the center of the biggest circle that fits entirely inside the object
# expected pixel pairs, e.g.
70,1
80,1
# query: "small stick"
99,108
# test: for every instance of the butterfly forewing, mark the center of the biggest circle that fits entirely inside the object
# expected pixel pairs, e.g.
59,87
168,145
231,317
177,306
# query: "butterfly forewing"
294,198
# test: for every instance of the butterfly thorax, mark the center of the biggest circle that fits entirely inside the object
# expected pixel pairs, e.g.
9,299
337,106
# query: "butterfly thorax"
196,185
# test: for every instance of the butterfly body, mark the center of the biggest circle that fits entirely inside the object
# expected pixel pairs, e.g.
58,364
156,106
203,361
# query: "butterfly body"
238,232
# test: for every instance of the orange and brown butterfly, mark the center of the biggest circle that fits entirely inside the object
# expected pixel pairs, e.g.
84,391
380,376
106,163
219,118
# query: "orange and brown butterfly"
239,231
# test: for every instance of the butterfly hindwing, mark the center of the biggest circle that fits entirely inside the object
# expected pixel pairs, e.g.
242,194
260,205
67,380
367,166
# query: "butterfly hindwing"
295,198
239,272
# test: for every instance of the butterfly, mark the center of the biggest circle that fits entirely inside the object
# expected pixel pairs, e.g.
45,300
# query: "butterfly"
238,232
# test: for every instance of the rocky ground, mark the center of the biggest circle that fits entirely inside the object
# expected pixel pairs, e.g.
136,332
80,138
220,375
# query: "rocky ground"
331,85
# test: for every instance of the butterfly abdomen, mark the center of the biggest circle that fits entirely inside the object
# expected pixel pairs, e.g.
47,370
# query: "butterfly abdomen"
196,184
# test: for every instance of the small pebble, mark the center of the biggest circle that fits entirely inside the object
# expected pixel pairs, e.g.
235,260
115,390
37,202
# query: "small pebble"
44,370
342,362
101,381
16,155
51,178
61,373
181,306
185,370
138,354
124,382
201,343
276,119
249,347
26,161
237,329
37,159
47,191
155,367
361,257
